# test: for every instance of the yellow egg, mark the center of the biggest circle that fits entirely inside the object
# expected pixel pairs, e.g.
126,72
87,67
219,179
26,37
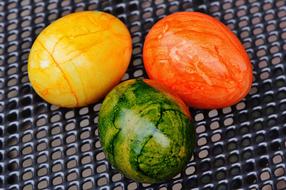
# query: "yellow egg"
77,59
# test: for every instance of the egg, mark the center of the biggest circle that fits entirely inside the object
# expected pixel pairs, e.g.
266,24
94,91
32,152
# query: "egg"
198,58
79,58
145,131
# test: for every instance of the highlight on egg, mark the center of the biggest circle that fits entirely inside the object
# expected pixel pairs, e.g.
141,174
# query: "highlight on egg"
198,58
79,58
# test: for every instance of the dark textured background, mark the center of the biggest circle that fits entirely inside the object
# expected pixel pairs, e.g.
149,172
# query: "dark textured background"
46,147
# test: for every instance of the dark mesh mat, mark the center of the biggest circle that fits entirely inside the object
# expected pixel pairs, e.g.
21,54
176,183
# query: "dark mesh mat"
45,147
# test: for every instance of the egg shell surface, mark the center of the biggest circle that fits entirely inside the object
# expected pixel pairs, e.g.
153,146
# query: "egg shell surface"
78,58
145,131
198,58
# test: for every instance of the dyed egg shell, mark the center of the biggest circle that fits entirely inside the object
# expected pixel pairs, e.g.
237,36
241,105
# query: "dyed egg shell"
77,59
146,132
199,58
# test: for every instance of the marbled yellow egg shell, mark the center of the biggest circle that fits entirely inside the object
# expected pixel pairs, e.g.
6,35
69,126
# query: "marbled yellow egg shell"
77,59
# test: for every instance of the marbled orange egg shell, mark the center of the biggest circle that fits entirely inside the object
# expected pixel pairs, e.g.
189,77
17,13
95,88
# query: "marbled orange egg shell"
198,58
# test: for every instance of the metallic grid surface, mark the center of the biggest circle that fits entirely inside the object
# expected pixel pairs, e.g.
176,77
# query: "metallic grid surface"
46,147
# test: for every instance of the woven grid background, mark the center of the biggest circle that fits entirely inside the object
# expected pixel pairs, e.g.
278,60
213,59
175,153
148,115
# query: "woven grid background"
46,147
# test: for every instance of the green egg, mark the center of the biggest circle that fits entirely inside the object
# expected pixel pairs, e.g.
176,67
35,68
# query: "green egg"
146,132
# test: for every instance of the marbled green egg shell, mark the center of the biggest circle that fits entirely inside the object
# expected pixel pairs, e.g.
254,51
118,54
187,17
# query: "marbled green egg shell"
145,132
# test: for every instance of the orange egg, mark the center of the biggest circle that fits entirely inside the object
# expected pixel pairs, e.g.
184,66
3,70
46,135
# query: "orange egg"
198,58
77,59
